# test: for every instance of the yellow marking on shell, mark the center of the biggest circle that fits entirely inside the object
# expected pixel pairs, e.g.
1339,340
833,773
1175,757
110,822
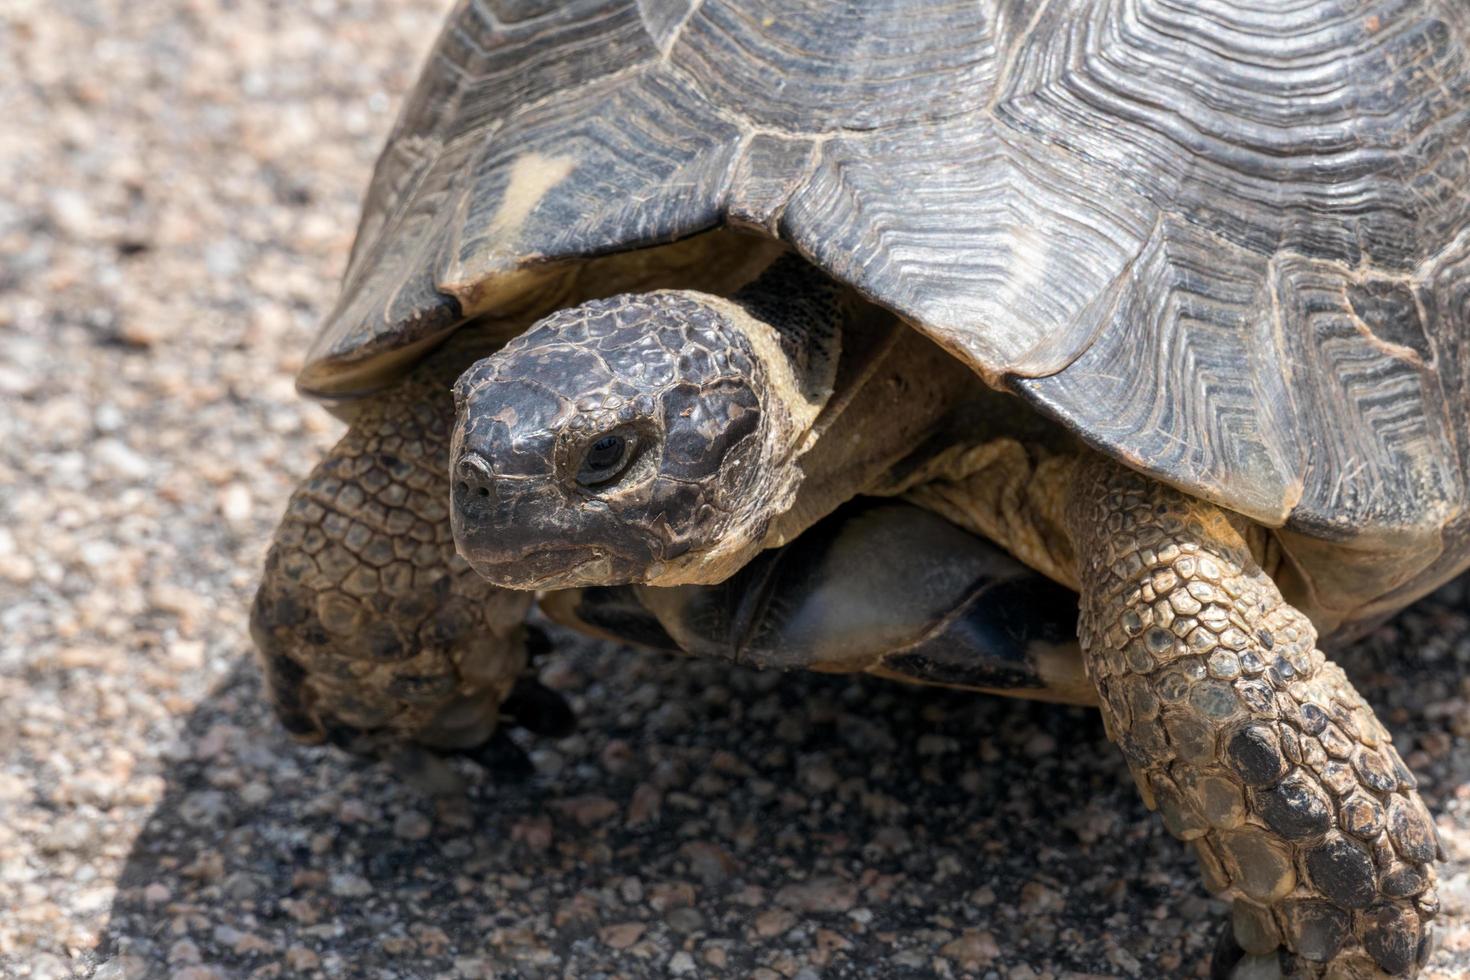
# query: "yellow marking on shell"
532,177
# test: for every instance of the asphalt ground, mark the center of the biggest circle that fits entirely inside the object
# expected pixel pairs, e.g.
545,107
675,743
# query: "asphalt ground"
181,181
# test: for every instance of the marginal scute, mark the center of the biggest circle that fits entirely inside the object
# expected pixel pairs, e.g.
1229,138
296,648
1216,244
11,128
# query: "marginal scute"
1008,292
769,172
477,77
627,204
1409,484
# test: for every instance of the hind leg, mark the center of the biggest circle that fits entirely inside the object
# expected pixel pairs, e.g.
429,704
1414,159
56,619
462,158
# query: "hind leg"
370,627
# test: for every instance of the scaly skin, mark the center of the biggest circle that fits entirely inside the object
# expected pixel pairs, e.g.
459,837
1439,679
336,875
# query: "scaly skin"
1251,744
366,619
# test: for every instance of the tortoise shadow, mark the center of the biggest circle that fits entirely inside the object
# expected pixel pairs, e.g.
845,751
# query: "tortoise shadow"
741,819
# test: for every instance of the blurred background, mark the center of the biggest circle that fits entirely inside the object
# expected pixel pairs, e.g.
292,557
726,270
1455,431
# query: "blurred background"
179,183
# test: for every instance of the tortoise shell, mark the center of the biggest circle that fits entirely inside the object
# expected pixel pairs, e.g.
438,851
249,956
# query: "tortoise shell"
1227,243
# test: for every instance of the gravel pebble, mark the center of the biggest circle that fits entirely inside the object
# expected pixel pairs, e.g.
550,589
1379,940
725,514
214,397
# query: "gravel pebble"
350,886
825,894
412,826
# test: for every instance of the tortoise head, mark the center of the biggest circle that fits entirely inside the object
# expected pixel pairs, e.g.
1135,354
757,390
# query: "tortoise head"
632,439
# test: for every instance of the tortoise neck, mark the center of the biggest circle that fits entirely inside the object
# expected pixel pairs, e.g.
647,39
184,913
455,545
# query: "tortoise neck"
867,388
796,325
895,389
806,310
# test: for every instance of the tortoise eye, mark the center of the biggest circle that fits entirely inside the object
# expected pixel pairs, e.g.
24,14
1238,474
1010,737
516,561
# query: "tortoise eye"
605,458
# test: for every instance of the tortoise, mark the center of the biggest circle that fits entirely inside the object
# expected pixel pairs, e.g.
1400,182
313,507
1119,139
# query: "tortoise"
886,337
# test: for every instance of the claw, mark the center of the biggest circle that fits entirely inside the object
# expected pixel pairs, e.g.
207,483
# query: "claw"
1227,953
538,644
503,757
538,709
1259,968
424,770
1231,962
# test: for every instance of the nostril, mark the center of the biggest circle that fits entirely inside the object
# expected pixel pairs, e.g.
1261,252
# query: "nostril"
473,487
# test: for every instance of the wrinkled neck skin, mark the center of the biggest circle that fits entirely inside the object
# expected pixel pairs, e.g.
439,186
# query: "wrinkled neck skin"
850,391
795,323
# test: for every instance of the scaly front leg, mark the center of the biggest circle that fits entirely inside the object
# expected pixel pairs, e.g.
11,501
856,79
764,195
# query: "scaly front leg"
1248,741
368,623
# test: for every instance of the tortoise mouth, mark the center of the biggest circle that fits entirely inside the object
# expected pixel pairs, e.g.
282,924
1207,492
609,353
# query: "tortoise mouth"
543,569
538,541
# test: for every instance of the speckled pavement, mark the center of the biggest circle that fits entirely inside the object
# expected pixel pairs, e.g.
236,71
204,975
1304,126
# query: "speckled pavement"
181,182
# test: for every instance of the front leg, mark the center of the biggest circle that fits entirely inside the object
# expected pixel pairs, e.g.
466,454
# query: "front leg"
370,628
1248,741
